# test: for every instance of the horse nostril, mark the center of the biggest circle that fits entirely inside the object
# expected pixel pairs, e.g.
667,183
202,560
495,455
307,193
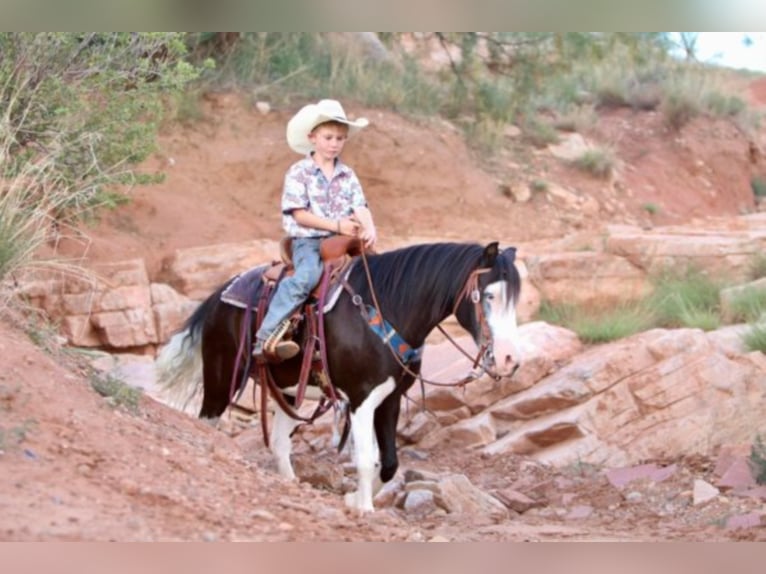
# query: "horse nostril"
511,365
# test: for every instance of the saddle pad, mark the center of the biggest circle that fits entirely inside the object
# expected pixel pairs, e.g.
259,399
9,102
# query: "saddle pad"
335,289
244,288
242,291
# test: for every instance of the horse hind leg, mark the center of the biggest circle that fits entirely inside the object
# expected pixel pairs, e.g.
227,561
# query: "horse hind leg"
366,448
216,377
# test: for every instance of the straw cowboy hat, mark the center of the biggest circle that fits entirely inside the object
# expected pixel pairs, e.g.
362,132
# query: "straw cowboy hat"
308,117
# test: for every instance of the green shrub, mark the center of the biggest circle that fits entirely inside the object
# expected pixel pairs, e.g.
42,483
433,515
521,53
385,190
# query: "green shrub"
576,119
757,266
539,132
539,185
755,338
758,460
13,436
115,391
485,135
80,110
678,109
705,319
748,305
598,162
688,298
651,208
758,185
598,325
723,105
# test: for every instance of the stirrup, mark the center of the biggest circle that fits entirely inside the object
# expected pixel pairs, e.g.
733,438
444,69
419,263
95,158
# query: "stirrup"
275,346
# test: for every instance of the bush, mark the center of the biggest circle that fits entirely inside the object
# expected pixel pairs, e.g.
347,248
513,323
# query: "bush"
598,325
748,305
651,208
80,110
598,162
678,109
116,392
757,267
758,460
755,338
723,105
539,133
685,299
758,185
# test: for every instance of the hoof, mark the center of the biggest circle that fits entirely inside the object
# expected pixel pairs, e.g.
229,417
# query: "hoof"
352,501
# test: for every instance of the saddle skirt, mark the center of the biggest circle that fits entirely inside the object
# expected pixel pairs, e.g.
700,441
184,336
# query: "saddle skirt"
245,289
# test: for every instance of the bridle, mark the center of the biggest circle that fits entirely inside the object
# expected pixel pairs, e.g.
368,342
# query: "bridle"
470,291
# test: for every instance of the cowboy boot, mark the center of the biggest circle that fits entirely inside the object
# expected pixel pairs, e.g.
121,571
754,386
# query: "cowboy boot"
274,347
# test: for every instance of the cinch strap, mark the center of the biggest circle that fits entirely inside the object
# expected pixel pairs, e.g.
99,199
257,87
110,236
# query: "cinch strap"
388,334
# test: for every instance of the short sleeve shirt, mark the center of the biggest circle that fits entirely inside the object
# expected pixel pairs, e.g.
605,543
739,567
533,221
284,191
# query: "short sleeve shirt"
306,187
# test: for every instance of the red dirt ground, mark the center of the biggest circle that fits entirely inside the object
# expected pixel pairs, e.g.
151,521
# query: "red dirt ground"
74,467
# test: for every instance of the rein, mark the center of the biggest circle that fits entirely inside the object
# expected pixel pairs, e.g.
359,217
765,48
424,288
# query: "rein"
315,340
469,290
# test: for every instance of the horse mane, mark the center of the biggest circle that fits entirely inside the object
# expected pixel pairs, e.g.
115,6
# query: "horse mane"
440,269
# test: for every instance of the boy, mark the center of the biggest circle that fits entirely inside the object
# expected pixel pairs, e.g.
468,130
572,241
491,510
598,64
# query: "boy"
321,196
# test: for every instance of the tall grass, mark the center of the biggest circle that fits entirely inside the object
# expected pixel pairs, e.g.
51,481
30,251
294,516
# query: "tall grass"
755,338
598,325
747,305
686,299
28,203
598,162
757,266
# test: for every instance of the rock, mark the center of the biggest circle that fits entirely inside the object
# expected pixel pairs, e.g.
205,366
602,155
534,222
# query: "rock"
621,477
420,502
516,501
703,492
744,521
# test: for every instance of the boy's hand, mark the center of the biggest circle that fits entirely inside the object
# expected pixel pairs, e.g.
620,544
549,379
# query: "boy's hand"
349,226
369,236
352,226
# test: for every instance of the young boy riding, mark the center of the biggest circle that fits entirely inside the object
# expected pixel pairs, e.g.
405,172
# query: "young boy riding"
321,197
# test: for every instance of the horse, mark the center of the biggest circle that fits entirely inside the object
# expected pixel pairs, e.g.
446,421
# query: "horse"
414,289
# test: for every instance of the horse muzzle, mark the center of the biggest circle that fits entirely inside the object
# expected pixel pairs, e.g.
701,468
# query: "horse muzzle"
504,368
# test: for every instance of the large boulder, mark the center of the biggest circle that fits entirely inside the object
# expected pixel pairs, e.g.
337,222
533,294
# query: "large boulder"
658,394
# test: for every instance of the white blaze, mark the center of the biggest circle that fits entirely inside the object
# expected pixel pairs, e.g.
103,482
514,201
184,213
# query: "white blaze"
501,318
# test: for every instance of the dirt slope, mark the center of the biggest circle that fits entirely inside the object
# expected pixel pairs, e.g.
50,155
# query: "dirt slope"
74,467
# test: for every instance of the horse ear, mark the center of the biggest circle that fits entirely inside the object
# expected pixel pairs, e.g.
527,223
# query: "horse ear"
490,254
510,254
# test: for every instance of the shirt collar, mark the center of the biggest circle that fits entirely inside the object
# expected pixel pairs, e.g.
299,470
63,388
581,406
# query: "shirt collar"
313,168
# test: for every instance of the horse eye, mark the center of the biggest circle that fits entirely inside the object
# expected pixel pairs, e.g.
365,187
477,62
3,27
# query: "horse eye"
489,296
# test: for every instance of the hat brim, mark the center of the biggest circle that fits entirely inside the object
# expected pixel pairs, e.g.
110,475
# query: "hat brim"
301,125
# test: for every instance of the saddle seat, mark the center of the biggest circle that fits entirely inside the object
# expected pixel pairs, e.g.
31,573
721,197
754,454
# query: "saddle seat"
336,252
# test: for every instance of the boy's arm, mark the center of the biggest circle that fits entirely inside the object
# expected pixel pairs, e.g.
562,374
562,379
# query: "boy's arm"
346,226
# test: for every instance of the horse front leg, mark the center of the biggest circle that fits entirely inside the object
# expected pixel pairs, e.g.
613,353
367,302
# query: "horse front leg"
386,417
281,441
366,448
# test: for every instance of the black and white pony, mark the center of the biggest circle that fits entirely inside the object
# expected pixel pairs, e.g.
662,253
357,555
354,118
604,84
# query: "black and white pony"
408,291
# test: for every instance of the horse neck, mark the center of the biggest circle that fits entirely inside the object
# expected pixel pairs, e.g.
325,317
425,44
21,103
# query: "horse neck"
418,313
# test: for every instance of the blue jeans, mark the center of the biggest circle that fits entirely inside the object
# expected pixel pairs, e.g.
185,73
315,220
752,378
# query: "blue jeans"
293,291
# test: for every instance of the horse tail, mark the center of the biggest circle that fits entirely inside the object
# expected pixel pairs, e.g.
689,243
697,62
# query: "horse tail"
178,365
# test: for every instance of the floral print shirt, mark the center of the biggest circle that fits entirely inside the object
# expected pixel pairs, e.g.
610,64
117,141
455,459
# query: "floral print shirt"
306,187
